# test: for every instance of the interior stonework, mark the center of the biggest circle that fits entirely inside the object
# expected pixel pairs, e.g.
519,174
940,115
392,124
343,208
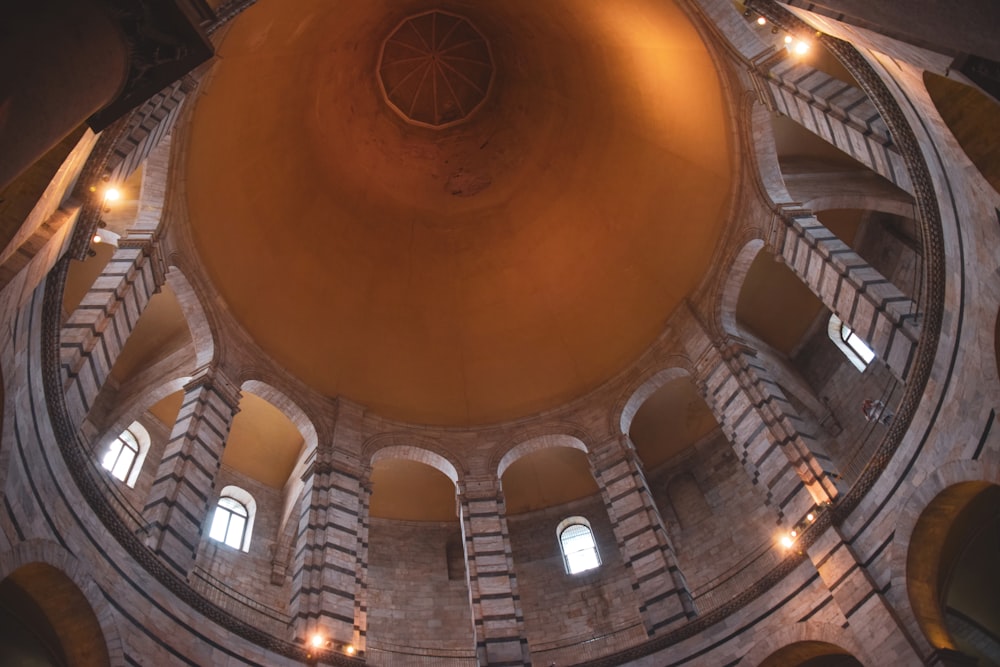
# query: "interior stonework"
399,291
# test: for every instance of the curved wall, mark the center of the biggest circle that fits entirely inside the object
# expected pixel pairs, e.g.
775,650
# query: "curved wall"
748,599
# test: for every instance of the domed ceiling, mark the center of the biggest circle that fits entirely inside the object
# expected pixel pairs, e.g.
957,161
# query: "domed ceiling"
516,244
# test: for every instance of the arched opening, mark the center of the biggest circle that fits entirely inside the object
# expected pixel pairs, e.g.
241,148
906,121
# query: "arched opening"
972,118
416,562
679,441
233,518
811,654
550,525
576,541
46,621
125,455
951,573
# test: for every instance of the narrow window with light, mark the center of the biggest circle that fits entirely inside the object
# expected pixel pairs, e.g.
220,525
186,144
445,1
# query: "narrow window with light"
850,343
576,540
232,522
125,454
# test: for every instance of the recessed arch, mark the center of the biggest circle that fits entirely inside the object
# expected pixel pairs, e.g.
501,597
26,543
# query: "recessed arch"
943,555
811,654
671,419
72,602
528,470
536,444
194,315
390,450
400,474
813,639
735,280
972,117
963,477
649,386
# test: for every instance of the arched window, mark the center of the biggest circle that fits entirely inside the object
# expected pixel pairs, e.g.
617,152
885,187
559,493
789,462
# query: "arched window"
850,343
126,453
232,522
576,540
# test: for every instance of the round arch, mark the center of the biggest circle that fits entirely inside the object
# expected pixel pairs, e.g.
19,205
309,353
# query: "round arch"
536,444
194,314
83,620
735,278
804,640
390,446
627,411
921,527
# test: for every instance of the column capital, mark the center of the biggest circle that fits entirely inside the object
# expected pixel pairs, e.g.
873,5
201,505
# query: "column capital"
480,488
213,377
149,243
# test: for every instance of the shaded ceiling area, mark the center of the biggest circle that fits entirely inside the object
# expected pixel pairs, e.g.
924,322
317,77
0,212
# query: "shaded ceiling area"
671,420
476,273
47,621
775,305
973,119
811,654
161,329
547,477
263,443
411,491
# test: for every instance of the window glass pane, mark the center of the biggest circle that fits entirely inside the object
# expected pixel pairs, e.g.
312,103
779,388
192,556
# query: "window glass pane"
129,441
234,536
860,347
219,523
124,464
579,549
233,505
108,462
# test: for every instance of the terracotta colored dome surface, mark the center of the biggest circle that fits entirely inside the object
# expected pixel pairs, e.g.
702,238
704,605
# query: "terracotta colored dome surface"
476,272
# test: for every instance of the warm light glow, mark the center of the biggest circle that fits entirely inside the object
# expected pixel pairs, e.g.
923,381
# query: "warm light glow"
112,194
97,238
801,47
761,20
794,533
810,517
317,640
788,39
786,542
349,650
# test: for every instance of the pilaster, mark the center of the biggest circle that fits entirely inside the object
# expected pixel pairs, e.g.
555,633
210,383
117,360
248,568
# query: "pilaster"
496,604
666,601
95,334
179,499
874,308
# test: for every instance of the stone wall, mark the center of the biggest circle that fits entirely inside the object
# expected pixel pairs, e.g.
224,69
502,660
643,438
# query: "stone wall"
413,603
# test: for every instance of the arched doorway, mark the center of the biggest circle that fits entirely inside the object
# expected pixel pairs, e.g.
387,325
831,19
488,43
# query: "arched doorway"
951,573
46,621
811,654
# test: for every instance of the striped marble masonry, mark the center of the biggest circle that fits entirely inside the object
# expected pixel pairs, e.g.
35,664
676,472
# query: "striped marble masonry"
496,604
665,600
330,560
178,504
851,288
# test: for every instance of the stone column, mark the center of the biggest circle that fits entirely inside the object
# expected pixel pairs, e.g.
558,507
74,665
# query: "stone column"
861,601
665,600
496,604
330,577
178,502
763,427
837,112
855,292
96,332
